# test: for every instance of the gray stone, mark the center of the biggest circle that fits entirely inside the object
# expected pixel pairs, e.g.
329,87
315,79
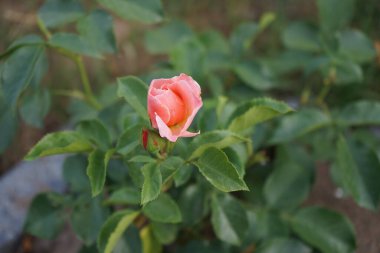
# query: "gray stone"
17,189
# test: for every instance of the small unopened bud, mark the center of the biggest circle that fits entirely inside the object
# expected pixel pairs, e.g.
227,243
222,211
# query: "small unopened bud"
154,143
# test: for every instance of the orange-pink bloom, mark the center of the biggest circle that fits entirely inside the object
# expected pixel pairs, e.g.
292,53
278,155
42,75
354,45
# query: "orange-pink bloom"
173,104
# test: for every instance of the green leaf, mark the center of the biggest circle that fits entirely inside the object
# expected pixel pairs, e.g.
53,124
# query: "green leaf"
28,40
97,169
73,43
145,11
343,72
193,204
124,196
130,242
163,209
45,217
358,168
335,14
87,220
255,76
218,139
149,241
265,224
300,36
166,37
165,233
18,72
242,37
152,182
283,245
169,167
229,219
113,229
256,111
142,159
8,125
74,173
55,13
219,171
298,124
362,112
188,57
183,175
35,106
135,92
356,46
129,140
324,229
97,30
95,131
287,186
59,143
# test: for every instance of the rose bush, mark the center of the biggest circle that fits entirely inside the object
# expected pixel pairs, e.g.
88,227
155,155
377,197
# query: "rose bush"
173,104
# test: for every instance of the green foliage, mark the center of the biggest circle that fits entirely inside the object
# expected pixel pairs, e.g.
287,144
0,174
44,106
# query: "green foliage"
45,216
326,230
229,219
113,229
242,183
146,11
59,143
219,171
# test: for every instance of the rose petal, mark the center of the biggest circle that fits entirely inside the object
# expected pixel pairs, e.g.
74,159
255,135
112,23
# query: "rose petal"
164,130
156,107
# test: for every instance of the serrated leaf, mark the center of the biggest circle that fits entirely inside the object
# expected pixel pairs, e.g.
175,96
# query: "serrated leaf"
219,171
97,169
113,229
324,229
145,11
95,131
163,209
59,143
8,126
218,139
142,159
256,111
228,218
298,124
152,182
358,168
135,92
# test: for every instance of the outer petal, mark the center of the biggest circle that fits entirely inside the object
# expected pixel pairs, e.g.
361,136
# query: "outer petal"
196,89
164,130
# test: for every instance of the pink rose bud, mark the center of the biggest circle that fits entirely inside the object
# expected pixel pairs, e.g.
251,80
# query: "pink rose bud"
153,143
173,104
